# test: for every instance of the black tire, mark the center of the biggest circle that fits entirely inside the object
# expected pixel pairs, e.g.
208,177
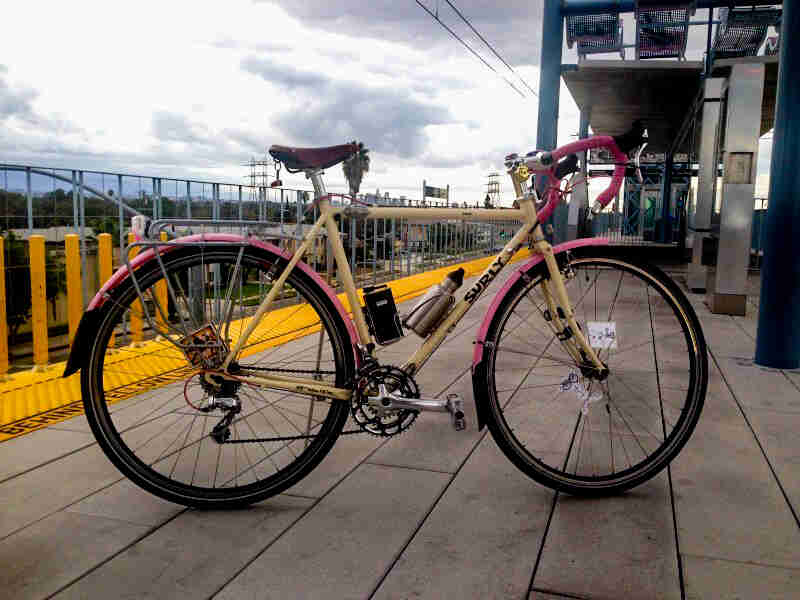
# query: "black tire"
121,440
544,437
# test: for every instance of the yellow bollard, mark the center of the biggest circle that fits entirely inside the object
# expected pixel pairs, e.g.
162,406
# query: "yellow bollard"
3,317
105,260
38,302
137,311
74,286
161,298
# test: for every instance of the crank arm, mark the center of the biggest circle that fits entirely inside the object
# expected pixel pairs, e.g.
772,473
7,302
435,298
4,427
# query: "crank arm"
453,404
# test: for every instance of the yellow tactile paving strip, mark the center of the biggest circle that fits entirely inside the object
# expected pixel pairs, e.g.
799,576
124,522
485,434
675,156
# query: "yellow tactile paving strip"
33,400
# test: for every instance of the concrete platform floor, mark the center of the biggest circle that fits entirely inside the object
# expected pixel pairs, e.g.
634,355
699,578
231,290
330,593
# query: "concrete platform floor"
432,513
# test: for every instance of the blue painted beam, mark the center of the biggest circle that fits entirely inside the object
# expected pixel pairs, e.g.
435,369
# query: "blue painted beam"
778,338
549,81
589,7
550,75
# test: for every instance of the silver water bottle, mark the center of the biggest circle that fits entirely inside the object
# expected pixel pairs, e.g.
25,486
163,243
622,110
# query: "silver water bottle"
430,309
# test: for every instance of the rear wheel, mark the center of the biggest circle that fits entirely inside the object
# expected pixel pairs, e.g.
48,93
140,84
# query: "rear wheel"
586,435
156,416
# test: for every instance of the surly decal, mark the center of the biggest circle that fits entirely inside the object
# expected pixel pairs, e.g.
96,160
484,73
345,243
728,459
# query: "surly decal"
487,278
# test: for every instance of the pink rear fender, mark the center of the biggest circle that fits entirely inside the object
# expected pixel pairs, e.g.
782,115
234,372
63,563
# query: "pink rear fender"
525,268
121,274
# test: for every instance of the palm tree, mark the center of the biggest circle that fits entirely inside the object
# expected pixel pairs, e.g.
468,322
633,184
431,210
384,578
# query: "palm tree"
355,167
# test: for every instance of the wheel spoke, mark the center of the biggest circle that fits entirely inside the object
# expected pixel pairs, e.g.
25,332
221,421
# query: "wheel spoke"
637,407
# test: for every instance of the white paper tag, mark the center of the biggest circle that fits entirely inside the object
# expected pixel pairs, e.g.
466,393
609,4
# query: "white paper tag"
602,334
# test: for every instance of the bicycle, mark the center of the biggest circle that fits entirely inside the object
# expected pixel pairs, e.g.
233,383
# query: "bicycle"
237,395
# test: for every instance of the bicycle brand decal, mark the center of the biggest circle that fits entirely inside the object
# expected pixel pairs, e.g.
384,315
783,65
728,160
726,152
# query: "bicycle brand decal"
487,278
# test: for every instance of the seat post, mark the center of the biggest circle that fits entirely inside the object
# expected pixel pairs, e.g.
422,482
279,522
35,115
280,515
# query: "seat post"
315,176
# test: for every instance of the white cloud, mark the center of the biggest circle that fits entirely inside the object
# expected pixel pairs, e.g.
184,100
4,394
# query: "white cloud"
195,89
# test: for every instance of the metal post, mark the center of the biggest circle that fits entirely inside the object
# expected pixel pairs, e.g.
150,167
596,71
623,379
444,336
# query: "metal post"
391,260
241,218
3,321
188,200
215,201
777,342
353,247
374,251
666,201
84,267
29,196
298,232
75,215
121,218
156,198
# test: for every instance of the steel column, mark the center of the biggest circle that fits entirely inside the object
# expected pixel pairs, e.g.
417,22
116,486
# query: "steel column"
700,217
728,288
666,201
777,342
550,75
549,82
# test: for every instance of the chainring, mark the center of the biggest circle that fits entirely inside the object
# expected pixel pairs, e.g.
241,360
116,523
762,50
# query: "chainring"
389,422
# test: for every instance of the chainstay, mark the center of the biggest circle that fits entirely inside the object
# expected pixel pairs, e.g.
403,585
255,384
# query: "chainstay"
286,439
292,437
281,370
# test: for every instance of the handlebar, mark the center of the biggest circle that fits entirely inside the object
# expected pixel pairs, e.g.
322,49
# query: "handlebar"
551,165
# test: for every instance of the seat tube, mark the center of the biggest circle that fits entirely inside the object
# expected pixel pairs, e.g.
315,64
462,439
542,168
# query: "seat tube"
342,266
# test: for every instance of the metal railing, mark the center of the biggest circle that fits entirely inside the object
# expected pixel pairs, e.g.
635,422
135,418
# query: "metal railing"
79,221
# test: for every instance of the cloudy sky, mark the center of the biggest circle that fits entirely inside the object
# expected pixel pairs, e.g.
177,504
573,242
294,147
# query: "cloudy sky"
194,89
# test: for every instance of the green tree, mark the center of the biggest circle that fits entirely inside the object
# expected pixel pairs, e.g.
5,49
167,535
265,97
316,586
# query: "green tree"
355,167
18,282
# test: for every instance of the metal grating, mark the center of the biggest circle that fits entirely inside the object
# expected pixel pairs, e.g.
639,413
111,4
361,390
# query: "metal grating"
595,33
742,31
661,32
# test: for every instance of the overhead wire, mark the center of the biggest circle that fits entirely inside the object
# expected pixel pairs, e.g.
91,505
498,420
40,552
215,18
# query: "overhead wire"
485,41
468,47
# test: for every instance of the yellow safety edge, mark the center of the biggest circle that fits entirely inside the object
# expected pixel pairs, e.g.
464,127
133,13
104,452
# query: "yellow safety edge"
33,400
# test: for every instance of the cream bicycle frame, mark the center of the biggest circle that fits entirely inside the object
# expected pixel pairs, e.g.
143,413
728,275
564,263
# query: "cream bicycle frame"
553,289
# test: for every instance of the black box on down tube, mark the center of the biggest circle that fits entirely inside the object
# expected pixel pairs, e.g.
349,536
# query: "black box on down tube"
381,314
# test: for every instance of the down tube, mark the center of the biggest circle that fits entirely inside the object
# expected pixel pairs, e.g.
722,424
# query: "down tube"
415,363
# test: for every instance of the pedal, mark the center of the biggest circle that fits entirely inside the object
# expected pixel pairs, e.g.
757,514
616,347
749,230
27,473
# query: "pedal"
455,406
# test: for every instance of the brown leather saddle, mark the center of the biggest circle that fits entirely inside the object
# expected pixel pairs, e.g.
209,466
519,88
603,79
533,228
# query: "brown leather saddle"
298,159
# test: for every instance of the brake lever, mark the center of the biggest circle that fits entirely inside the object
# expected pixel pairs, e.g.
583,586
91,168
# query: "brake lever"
637,162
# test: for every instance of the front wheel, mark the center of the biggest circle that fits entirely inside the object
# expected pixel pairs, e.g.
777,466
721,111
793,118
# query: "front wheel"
590,436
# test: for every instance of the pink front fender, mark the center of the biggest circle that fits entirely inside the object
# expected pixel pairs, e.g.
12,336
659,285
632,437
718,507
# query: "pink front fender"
525,268
122,273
